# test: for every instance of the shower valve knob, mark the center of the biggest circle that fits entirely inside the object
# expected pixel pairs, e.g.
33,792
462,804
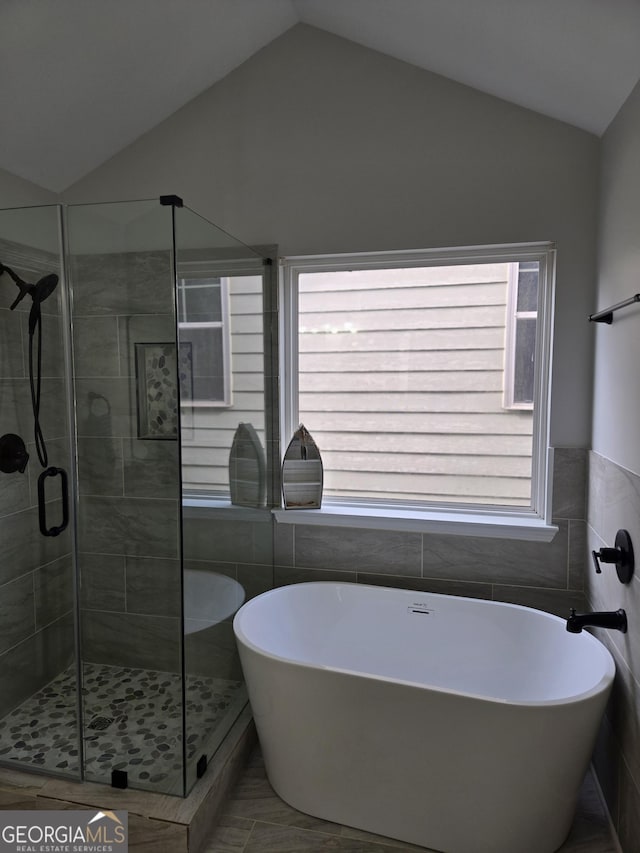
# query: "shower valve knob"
621,555
607,555
13,454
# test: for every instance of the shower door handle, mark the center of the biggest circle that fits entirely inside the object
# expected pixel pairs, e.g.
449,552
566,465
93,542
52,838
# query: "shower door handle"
42,507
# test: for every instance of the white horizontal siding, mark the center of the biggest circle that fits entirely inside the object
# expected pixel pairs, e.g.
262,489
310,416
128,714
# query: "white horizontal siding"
206,457
248,362
207,432
418,381
207,477
387,405
248,382
429,463
405,362
191,447
246,324
401,385
446,487
492,424
454,275
419,340
385,319
476,444
242,285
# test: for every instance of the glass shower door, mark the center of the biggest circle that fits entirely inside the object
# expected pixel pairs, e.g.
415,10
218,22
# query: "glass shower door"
38,673
118,662
129,539
226,470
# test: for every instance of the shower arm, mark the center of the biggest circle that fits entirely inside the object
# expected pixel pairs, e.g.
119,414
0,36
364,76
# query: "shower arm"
25,288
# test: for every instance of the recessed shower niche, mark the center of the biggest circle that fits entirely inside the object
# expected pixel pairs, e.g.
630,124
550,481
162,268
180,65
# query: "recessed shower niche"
123,557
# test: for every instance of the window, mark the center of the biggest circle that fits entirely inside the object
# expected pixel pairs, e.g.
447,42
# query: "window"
203,323
221,298
423,376
522,313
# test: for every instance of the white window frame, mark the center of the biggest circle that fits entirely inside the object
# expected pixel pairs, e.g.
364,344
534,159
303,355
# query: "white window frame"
532,523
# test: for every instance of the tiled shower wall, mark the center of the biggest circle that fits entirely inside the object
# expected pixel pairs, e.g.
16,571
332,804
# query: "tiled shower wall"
129,561
128,488
544,575
614,503
36,586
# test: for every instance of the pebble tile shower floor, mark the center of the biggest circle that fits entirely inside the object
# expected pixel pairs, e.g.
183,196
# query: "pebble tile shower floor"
133,722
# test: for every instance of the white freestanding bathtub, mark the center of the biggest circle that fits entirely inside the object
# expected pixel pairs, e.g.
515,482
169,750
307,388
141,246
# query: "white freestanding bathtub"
457,724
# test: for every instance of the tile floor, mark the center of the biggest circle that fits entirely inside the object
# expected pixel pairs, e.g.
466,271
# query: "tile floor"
255,820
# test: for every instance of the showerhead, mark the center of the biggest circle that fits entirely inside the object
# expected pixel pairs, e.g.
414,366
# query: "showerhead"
44,287
39,291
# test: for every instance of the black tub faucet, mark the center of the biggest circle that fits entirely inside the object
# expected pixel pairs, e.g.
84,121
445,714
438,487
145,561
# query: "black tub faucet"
616,619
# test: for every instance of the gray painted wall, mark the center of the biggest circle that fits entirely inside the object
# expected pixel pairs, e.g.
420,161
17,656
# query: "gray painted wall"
614,470
321,145
16,192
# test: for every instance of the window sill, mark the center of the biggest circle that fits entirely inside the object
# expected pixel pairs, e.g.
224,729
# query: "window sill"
212,507
458,524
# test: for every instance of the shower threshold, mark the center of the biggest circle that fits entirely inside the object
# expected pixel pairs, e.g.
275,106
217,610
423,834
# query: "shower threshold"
132,722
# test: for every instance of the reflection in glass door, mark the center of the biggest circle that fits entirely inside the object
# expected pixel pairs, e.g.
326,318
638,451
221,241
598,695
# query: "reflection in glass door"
128,493
225,448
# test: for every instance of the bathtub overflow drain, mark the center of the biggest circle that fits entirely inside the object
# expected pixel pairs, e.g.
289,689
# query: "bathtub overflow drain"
419,608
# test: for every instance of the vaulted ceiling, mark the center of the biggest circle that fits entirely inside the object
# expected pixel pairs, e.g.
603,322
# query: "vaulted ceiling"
81,79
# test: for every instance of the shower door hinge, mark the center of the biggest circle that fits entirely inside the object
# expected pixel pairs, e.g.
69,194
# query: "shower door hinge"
171,201
119,779
201,766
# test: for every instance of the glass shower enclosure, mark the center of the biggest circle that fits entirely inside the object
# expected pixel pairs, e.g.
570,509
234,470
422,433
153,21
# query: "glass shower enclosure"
136,475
